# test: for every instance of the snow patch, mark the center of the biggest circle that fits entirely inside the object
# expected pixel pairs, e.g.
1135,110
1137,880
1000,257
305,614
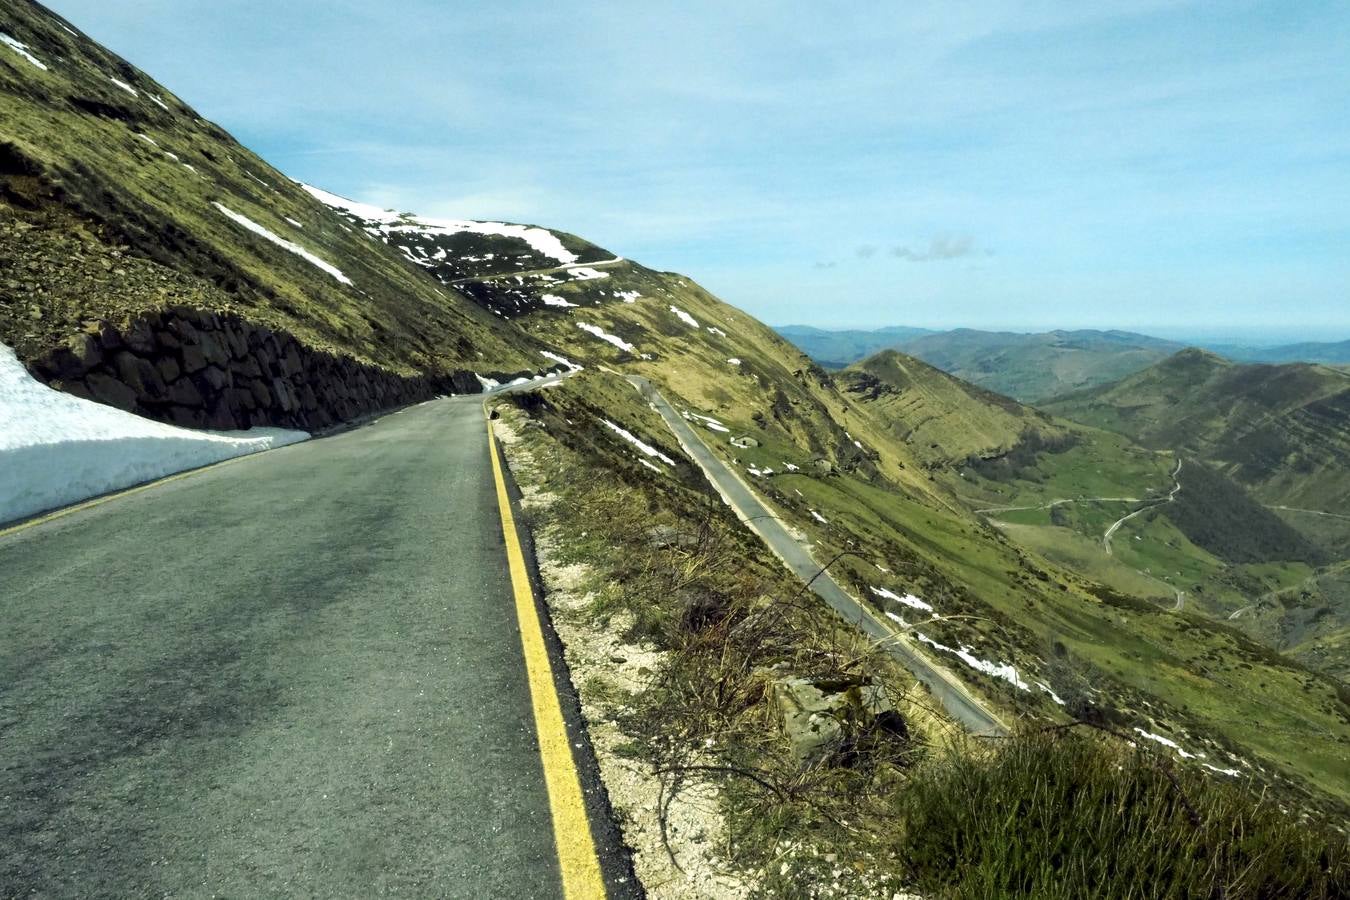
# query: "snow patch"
734,361
908,599
996,670
571,366
540,240
585,273
717,331
22,50
628,296
1166,742
555,300
293,222
605,336
819,518
638,442
299,251
124,86
684,316
159,101
57,449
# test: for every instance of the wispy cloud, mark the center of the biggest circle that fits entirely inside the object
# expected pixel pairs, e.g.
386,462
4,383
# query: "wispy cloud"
939,248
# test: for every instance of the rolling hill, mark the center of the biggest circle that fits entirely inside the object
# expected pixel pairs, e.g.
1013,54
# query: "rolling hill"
1029,367
1283,431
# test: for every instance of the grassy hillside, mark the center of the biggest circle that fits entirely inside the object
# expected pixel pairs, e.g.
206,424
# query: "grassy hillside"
117,199
1281,431
940,418
1029,367
1032,367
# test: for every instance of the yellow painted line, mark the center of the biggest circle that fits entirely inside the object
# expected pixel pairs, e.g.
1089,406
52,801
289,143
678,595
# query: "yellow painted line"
581,879
99,501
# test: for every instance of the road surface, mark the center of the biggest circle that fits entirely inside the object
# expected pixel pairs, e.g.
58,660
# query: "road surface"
297,674
958,702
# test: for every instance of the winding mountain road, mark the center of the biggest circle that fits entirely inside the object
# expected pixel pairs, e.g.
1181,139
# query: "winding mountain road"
1115,526
950,692
298,674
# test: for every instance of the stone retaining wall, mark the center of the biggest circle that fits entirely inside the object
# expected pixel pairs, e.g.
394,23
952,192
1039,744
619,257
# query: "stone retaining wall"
207,370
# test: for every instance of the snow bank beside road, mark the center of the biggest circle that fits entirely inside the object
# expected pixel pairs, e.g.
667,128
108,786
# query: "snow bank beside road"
57,449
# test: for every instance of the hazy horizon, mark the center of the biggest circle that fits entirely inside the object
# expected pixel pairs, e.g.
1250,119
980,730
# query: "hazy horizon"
1264,337
1004,163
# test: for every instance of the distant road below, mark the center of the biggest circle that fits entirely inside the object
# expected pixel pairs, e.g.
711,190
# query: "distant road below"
954,697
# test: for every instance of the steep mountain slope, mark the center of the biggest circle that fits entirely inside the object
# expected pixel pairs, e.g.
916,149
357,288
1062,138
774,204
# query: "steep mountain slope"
1282,431
836,349
90,200
121,205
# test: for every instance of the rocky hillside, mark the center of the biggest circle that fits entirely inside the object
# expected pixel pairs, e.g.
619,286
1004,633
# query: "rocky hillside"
130,226
1281,430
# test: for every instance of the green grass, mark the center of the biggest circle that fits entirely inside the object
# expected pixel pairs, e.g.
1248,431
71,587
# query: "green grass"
1069,816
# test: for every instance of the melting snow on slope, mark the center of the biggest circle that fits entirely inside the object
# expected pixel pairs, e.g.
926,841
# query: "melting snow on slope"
571,366
126,87
908,599
555,300
282,242
585,273
605,336
628,296
717,331
684,316
57,449
1232,773
541,240
819,518
708,422
734,361
1166,742
22,50
997,670
638,442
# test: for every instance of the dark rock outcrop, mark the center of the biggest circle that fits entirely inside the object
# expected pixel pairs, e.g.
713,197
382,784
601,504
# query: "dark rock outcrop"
207,370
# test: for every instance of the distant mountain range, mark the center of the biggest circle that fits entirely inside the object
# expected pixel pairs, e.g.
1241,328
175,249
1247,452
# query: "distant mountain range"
1032,367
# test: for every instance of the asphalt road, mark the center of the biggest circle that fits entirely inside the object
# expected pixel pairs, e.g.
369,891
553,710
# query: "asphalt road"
296,674
950,693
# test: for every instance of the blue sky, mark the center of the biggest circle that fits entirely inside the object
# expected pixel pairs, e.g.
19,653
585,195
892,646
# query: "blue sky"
1179,168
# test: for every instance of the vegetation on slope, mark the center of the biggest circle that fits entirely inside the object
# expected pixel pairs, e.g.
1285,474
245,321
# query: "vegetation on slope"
1047,813
1218,515
1282,431
113,199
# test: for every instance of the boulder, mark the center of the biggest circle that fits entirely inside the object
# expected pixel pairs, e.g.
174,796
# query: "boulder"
184,393
106,389
822,717
139,374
